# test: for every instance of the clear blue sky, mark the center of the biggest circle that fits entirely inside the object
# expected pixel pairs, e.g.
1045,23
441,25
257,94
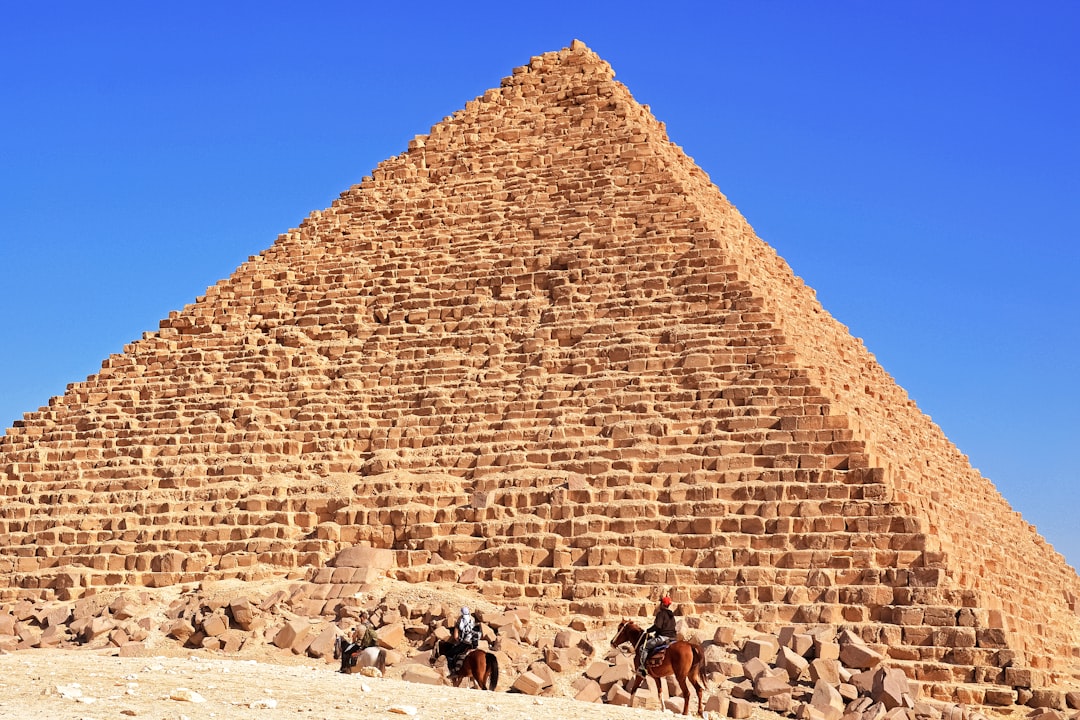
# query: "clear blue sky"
917,163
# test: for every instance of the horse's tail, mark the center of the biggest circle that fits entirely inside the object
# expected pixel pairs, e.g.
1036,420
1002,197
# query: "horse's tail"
381,661
493,663
695,665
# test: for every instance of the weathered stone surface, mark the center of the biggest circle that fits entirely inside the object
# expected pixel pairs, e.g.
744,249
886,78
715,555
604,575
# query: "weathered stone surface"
291,636
422,674
529,683
891,688
590,692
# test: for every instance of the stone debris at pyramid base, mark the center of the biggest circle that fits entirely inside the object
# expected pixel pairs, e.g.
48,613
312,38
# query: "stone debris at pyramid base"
540,356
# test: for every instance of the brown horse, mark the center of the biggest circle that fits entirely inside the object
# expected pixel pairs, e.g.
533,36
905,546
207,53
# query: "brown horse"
479,666
681,659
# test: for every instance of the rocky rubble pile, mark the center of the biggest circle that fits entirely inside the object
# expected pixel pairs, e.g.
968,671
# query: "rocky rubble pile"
819,675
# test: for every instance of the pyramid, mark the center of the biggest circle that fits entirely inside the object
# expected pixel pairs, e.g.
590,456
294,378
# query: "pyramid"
541,353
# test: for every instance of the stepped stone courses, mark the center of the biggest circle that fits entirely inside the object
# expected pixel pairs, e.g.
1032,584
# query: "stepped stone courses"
540,343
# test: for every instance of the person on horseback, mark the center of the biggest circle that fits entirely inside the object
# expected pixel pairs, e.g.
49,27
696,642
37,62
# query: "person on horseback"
465,635
466,632
661,632
363,637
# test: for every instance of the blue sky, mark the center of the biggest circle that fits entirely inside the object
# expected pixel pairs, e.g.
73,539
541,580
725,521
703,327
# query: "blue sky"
917,163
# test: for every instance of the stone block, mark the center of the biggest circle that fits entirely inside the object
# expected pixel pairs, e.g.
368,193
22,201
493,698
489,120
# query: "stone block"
596,669
1047,698
860,656
322,646
243,614
767,685
792,662
717,704
824,671
891,688
422,674
739,709
763,647
292,634
753,668
364,557
528,683
782,703
391,636
618,695
827,700
618,673
590,691
214,625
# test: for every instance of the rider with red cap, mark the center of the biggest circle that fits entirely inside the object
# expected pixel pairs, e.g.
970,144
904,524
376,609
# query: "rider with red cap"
661,632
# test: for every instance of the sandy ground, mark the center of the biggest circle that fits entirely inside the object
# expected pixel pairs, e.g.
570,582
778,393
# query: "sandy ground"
73,684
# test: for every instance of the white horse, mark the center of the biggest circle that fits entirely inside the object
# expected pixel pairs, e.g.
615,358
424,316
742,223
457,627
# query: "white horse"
354,659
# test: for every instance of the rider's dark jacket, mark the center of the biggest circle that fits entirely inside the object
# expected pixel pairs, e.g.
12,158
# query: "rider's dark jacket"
664,623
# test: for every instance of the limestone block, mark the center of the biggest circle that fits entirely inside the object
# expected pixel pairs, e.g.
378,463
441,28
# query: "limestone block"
53,635
753,668
391,636
717,704
542,671
1072,699
825,671
1002,697
827,700
596,669
620,672
1047,698
364,557
53,615
422,674
181,630
558,659
590,691
782,703
767,685
242,612
826,650
891,688
98,626
763,647
1018,677
323,644
292,634
858,655
864,680
528,683
618,695
214,624
739,709
792,661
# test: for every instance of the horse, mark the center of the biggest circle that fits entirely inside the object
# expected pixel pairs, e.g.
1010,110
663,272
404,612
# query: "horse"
353,660
477,665
681,659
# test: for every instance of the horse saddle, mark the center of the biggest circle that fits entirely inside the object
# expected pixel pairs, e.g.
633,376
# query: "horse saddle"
455,663
656,655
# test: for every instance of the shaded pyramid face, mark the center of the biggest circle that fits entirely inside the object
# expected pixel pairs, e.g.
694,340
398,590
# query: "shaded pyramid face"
541,351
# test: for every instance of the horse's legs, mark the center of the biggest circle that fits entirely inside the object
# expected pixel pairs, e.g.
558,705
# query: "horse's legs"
660,692
686,693
634,685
